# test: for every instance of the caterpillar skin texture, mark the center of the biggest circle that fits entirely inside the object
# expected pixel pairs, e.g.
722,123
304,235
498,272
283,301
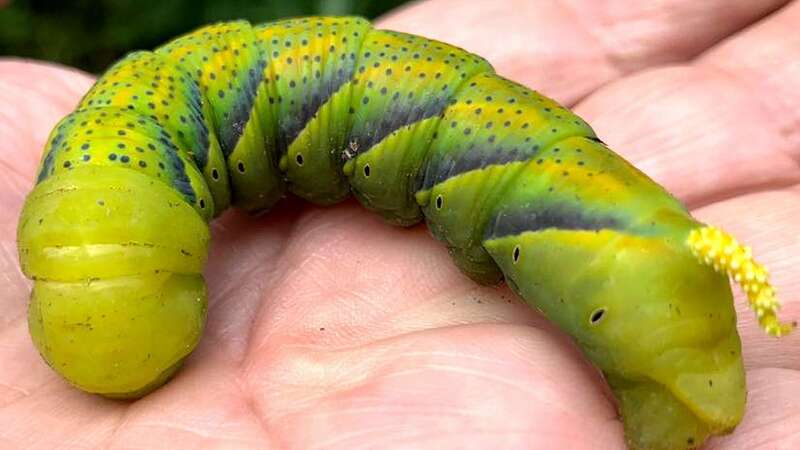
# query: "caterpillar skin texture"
115,233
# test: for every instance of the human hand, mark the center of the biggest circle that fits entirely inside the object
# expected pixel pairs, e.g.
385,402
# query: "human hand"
329,329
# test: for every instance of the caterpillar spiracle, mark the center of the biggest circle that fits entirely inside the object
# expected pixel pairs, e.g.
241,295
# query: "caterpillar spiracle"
115,233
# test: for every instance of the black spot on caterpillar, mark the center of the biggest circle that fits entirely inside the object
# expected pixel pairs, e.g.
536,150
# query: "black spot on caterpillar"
517,187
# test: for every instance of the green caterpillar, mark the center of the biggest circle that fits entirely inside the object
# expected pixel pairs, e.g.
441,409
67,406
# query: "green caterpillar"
115,233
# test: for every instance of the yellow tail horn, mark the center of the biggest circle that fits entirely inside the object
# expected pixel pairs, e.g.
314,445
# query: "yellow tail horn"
717,248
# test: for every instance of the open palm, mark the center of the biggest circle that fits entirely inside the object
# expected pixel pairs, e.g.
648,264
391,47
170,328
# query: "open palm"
329,329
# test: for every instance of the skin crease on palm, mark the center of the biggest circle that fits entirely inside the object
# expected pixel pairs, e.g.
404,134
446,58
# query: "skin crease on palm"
329,329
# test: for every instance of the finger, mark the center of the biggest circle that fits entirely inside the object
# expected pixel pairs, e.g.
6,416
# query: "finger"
764,60
776,245
704,130
568,48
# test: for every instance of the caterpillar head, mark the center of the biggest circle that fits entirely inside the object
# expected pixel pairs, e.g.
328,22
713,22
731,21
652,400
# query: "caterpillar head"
118,299
715,248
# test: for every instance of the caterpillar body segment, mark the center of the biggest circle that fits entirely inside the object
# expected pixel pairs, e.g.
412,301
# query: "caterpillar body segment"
312,70
115,232
148,87
228,64
399,100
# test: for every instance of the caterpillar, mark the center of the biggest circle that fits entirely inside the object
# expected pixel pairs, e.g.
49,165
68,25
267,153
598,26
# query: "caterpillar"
115,232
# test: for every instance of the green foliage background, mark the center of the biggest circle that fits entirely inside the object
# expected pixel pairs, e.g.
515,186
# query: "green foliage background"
91,34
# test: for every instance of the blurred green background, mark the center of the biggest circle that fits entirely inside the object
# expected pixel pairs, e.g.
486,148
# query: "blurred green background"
91,34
